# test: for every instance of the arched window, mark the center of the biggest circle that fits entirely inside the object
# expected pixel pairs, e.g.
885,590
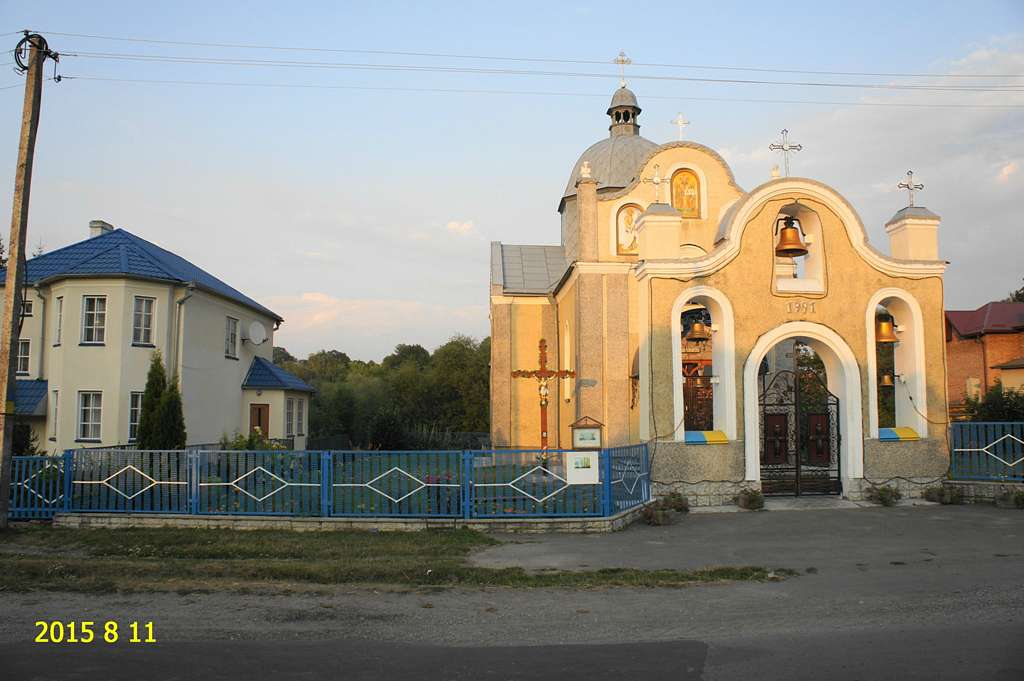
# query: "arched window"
686,193
803,273
625,229
896,369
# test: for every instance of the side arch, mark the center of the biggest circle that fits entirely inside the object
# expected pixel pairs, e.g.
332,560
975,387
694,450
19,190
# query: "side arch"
723,359
910,360
843,380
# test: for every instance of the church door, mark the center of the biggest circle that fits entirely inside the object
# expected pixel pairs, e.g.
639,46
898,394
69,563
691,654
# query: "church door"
799,435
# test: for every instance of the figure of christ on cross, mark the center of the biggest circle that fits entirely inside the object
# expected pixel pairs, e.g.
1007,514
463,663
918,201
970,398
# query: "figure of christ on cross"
544,376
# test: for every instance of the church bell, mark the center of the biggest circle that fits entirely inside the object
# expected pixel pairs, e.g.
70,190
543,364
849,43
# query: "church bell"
698,333
884,332
886,381
791,245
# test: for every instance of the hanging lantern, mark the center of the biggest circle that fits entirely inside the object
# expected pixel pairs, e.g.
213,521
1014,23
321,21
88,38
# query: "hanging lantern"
699,333
791,243
886,381
884,331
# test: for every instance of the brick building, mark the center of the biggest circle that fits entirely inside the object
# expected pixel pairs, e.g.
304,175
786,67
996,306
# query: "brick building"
981,346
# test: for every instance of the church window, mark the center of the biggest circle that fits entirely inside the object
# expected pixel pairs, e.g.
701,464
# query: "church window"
686,193
625,116
625,229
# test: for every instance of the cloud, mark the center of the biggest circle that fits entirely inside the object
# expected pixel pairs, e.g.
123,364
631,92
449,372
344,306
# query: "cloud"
1007,170
367,328
464,228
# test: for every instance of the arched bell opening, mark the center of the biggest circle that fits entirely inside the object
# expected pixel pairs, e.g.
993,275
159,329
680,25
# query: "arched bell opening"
896,369
799,261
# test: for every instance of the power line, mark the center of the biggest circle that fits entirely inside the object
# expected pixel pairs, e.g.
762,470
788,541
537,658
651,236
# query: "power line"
549,60
433,90
228,61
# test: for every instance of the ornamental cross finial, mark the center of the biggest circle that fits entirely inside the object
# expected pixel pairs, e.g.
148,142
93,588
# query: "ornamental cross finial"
657,180
785,147
623,61
680,123
910,187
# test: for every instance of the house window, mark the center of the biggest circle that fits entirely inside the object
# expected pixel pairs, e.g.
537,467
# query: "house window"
24,348
289,418
55,420
134,409
60,320
26,307
94,320
90,408
231,338
142,321
300,417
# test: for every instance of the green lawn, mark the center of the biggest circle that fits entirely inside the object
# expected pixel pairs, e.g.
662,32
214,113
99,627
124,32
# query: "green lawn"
47,558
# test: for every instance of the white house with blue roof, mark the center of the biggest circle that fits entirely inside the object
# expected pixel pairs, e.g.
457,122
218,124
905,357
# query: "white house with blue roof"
93,314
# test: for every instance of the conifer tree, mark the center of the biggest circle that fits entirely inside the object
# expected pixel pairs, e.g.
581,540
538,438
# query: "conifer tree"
171,418
146,434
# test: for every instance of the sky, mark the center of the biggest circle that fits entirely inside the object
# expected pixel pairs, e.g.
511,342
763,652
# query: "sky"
361,205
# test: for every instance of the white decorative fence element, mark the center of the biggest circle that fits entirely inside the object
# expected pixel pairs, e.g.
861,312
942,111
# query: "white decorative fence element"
28,483
284,484
512,483
987,450
106,481
395,469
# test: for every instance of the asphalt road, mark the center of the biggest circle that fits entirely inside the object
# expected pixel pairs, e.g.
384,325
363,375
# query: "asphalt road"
906,593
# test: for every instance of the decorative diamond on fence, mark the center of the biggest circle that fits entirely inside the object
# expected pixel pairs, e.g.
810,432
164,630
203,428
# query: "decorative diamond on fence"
630,477
993,444
125,479
259,479
28,483
388,481
543,472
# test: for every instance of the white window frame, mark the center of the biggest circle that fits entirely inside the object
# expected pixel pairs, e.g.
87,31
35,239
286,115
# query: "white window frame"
95,428
289,417
231,338
55,413
27,307
59,317
134,413
300,416
99,338
143,335
25,357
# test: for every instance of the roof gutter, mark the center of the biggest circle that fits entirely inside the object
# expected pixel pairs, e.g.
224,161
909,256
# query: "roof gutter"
179,327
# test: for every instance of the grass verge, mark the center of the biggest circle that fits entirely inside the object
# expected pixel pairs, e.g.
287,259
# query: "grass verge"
166,559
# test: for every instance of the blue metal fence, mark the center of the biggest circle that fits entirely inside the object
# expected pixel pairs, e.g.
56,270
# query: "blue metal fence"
423,484
991,451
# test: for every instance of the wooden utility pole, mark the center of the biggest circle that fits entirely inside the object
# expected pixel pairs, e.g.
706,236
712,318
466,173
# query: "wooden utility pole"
38,51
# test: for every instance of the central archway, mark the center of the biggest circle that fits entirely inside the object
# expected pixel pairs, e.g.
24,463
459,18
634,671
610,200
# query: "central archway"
844,380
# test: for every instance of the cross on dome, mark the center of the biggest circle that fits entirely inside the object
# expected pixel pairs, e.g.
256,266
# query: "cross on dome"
910,186
680,123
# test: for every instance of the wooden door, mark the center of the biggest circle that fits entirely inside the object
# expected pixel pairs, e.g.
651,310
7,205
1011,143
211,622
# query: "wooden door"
259,417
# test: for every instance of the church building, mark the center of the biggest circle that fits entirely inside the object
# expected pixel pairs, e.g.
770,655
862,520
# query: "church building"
754,338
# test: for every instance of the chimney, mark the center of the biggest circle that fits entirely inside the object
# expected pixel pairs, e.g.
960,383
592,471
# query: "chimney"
99,227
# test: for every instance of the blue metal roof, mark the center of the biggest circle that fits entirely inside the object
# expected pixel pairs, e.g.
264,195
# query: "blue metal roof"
28,395
119,252
266,375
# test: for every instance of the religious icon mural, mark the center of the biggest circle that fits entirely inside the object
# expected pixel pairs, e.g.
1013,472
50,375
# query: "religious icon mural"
626,221
686,193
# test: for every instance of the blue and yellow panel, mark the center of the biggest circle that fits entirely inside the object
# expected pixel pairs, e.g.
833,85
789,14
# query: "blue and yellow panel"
706,437
900,434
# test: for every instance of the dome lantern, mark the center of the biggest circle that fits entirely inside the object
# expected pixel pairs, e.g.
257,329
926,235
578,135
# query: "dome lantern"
624,111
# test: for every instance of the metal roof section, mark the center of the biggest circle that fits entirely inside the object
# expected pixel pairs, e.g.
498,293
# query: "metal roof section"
533,270
121,253
919,212
30,397
265,375
989,318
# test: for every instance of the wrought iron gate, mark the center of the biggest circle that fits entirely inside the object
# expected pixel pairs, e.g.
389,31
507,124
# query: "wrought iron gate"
799,435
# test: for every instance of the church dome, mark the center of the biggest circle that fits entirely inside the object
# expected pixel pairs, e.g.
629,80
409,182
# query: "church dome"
615,160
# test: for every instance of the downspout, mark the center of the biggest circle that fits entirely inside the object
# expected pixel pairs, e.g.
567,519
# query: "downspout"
179,324
42,332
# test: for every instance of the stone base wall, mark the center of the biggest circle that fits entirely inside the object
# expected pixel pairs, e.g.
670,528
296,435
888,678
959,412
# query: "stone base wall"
706,493
910,488
979,492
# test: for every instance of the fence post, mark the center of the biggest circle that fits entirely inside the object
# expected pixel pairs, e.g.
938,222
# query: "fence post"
467,484
68,473
326,480
193,487
606,484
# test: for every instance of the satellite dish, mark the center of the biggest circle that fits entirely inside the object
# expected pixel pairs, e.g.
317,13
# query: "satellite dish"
257,333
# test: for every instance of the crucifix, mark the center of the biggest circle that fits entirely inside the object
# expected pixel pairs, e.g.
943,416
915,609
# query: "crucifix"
680,123
623,61
657,181
785,147
544,376
910,187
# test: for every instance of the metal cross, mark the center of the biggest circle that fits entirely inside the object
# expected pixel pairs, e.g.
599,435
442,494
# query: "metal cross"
543,376
623,61
680,123
910,187
657,181
785,147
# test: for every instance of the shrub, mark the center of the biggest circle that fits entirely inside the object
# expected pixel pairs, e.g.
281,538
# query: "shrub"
750,499
654,514
951,496
675,501
886,495
933,494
